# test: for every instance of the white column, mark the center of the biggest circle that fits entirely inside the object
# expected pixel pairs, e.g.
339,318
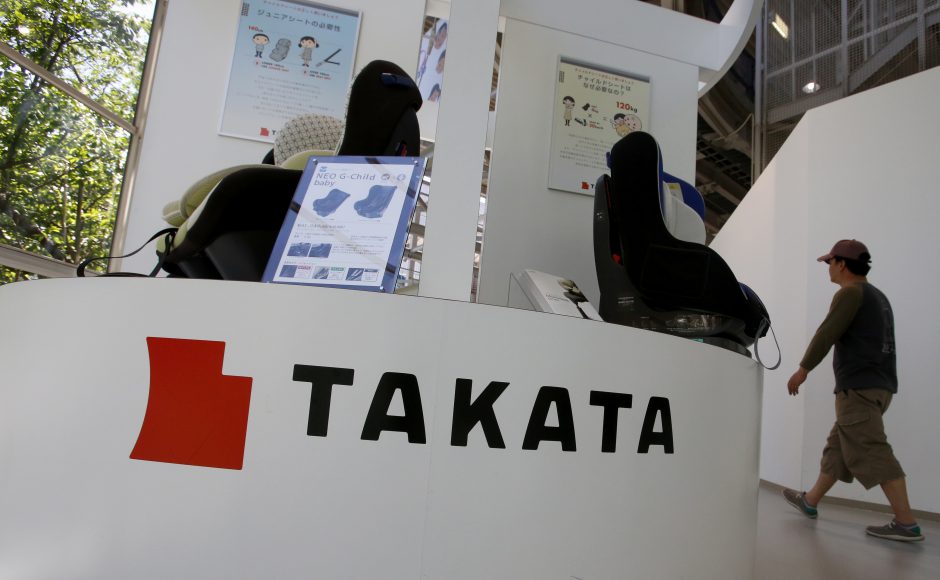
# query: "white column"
453,210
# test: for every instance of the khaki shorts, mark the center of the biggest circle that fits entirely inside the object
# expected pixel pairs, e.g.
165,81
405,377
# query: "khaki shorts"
857,446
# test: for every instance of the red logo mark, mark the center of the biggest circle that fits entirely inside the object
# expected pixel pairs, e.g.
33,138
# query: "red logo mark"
585,185
265,132
195,414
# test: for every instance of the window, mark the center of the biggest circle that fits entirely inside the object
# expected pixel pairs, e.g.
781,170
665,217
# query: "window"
70,74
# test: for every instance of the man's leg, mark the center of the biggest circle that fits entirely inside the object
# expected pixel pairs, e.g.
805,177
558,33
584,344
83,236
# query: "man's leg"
904,527
823,484
896,492
832,462
806,502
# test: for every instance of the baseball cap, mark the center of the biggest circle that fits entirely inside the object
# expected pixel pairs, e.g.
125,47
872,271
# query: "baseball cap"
848,249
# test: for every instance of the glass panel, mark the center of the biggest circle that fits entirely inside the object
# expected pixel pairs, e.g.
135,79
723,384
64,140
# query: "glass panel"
61,164
95,45
8,275
777,38
60,170
933,45
779,89
888,11
802,29
828,21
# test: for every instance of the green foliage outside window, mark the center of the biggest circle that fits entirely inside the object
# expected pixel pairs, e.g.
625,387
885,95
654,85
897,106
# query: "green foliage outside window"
62,164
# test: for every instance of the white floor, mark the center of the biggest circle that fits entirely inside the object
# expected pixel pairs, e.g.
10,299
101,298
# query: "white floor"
835,546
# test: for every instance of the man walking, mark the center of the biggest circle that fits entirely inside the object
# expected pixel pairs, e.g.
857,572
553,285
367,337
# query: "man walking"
860,324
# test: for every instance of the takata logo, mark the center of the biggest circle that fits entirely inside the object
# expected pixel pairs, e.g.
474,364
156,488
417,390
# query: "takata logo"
195,414
198,416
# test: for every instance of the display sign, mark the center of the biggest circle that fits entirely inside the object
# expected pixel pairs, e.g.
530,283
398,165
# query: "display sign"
291,58
347,223
247,431
594,108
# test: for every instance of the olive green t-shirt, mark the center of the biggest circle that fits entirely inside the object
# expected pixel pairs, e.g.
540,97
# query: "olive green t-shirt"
860,324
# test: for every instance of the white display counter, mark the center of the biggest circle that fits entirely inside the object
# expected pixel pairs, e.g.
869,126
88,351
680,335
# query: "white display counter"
125,452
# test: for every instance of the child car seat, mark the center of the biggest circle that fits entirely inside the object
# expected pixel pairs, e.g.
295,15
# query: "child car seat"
228,227
648,277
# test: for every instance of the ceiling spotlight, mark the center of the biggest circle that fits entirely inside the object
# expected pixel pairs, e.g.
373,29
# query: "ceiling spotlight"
779,25
811,87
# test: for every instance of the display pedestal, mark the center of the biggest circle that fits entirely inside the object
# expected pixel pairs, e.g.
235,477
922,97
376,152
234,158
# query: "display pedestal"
158,428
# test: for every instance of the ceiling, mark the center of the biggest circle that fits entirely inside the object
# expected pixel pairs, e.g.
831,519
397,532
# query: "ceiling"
725,125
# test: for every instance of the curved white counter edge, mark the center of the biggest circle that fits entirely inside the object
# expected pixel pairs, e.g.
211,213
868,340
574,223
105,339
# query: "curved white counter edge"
677,498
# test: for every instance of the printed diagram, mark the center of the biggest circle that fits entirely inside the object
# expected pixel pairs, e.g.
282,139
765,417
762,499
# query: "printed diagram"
568,103
329,204
574,294
347,223
372,206
307,252
376,203
289,59
320,251
260,40
306,249
298,249
592,108
588,119
625,124
280,50
278,54
329,59
307,43
622,123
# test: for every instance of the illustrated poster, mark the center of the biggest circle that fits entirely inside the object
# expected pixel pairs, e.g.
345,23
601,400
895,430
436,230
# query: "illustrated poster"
348,222
291,57
430,75
594,108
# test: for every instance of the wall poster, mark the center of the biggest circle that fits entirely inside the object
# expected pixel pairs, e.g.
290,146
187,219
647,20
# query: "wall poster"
291,57
431,58
594,107
347,223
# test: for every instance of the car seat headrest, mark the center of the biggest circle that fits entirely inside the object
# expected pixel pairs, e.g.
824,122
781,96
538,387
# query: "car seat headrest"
381,95
305,133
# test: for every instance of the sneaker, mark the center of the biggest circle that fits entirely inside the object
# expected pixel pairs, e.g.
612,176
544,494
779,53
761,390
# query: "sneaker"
895,531
798,500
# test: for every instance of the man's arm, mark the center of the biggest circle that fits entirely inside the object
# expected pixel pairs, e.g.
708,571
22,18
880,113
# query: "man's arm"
845,305
797,379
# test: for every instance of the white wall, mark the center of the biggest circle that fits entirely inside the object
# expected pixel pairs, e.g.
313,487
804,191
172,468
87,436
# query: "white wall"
528,225
181,142
864,167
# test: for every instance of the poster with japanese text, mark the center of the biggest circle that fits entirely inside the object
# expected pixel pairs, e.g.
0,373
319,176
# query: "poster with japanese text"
291,57
347,223
431,58
594,107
